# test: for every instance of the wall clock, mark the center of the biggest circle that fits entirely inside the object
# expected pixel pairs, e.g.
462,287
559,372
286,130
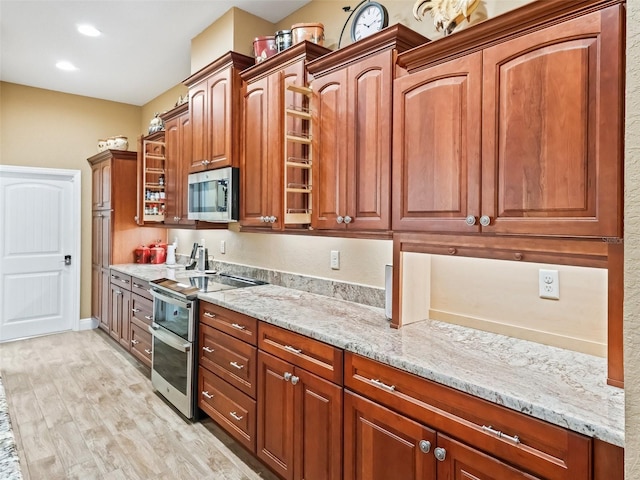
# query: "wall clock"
370,18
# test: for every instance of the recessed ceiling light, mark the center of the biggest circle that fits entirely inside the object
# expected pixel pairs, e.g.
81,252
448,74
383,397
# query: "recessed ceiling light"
89,30
64,65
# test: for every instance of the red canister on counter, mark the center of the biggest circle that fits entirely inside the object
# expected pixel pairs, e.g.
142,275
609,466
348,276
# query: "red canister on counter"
142,254
158,255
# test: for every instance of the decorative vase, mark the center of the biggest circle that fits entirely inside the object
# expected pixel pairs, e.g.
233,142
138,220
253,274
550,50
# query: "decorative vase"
156,124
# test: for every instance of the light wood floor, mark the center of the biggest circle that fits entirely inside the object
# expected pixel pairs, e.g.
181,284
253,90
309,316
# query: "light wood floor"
82,408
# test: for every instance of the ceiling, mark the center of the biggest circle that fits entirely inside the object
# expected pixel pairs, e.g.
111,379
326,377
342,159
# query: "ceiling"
144,49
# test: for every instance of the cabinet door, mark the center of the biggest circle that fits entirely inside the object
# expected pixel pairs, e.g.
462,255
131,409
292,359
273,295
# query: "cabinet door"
436,151
120,315
220,109
463,462
198,111
329,150
275,415
105,301
184,153
254,164
380,444
318,428
105,239
369,143
173,178
96,301
552,115
101,185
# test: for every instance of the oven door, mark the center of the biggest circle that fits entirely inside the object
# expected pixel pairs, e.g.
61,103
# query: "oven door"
172,369
175,315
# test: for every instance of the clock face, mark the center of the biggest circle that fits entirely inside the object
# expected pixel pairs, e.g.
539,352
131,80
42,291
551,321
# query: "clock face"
371,18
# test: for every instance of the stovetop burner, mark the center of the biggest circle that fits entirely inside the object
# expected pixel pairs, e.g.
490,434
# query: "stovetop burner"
189,286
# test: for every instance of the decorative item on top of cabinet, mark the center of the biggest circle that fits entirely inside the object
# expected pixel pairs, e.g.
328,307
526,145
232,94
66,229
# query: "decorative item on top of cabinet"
447,14
543,165
152,163
352,133
298,158
214,110
263,129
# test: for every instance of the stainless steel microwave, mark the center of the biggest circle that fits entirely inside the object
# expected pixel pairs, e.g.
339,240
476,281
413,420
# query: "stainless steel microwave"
214,195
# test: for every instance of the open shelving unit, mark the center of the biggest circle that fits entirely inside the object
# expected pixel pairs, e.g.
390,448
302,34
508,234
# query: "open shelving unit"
153,188
297,156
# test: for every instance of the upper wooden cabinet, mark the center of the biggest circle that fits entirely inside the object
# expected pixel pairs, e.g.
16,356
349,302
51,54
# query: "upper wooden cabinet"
523,136
352,131
263,128
214,106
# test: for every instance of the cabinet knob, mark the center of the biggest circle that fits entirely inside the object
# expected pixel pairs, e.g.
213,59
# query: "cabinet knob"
470,220
425,446
485,220
272,219
452,251
287,376
340,219
262,219
294,380
440,454
347,219
135,219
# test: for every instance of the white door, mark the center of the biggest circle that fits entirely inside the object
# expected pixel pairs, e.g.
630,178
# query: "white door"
39,228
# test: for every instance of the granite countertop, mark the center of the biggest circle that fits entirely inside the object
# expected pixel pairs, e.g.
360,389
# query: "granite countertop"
561,386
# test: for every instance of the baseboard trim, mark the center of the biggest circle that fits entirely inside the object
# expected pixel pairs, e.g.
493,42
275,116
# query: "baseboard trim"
87,324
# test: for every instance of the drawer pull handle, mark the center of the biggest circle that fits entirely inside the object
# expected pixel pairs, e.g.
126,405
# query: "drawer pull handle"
209,314
148,317
126,281
137,285
235,416
208,350
207,395
134,342
147,351
238,326
114,276
513,439
440,454
236,365
291,349
424,445
384,386
135,310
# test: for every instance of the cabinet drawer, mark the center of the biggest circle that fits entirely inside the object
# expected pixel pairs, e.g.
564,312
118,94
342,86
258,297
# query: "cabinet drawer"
231,409
141,344
229,358
235,324
141,311
141,287
312,355
540,448
121,279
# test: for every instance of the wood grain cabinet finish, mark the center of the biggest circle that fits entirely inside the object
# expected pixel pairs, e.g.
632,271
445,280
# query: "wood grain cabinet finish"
214,110
140,321
542,450
120,315
299,421
236,324
263,125
352,131
549,106
115,233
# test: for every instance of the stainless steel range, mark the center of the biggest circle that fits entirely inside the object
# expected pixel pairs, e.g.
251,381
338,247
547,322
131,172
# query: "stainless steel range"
174,330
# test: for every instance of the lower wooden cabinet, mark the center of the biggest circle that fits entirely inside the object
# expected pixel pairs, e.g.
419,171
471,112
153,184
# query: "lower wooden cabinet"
299,421
120,314
380,444
141,317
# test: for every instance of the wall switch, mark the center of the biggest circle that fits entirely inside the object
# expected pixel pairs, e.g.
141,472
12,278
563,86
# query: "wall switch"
549,284
335,259
223,246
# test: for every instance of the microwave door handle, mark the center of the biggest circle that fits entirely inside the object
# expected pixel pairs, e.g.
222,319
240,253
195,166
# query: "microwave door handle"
169,340
170,300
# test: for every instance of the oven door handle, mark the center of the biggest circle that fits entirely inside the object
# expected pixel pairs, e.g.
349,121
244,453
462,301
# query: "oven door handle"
168,339
171,300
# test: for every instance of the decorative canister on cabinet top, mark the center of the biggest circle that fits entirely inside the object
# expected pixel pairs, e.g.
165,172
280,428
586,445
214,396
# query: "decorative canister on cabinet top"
120,142
102,145
313,32
156,124
284,40
264,47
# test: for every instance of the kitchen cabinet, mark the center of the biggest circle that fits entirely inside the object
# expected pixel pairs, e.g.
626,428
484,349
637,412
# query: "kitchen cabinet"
227,371
263,130
119,326
151,178
140,321
299,431
214,111
543,164
352,132
115,233
491,441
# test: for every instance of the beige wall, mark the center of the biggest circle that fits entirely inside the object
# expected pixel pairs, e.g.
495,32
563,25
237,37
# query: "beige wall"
42,128
632,247
160,104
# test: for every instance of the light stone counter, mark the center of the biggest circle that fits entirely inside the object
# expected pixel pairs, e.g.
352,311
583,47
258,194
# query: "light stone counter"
560,386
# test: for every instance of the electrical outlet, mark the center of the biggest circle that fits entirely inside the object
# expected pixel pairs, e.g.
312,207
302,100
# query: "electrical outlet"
223,246
335,259
549,284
